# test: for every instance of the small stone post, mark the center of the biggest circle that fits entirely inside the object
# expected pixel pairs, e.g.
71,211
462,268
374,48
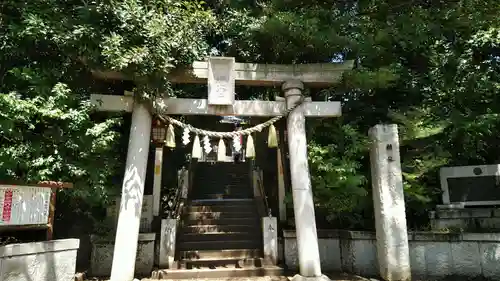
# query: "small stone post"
270,237
167,242
303,205
389,204
129,218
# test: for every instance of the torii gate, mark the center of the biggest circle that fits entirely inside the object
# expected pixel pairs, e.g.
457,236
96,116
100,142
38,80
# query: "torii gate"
222,74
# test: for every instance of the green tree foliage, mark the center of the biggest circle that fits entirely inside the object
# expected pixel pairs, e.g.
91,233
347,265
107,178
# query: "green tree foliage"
48,129
430,66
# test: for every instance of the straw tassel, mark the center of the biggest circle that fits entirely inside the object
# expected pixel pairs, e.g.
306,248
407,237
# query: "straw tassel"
272,138
170,138
221,151
196,153
250,150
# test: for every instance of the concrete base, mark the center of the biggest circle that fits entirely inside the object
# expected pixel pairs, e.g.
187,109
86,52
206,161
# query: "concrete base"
103,251
469,220
299,277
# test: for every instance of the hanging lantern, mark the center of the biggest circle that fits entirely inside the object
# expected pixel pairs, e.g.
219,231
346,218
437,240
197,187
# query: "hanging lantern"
158,132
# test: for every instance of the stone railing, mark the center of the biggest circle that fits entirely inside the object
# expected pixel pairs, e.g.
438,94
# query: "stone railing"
431,254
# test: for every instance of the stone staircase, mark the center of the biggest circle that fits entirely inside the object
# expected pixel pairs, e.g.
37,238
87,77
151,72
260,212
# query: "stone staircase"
221,180
220,234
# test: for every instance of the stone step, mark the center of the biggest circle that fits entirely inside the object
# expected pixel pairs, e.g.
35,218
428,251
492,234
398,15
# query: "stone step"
218,215
225,262
220,254
200,229
219,245
223,172
204,273
216,236
234,202
255,221
220,188
222,165
218,178
229,195
220,208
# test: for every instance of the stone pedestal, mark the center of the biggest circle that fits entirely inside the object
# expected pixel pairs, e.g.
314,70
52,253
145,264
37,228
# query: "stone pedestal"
453,218
303,205
388,201
129,218
102,255
53,260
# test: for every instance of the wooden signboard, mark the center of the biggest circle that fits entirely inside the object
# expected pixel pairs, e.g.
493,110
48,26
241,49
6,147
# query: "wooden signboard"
24,207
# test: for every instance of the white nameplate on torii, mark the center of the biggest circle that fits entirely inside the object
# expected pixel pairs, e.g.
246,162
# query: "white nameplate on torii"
201,107
221,81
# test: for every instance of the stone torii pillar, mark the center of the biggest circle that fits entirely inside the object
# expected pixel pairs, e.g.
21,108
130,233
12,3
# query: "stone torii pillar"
303,205
129,218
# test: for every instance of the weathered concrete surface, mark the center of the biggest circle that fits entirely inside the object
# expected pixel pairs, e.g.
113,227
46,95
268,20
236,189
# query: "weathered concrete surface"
389,205
432,255
252,74
470,219
102,256
41,261
303,205
167,242
270,238
129,217
200,107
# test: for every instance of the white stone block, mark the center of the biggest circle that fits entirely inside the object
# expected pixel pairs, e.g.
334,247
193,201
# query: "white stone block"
490,260
221,77
417,258
388,200
290,251
438,258
270,237
466,259
41,261
167,242
329,252
364,253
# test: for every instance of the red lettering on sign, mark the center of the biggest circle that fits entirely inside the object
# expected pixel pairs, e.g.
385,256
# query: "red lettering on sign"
7,205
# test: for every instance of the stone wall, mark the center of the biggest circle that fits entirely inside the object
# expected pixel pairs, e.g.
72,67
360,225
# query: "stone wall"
431,254
470,219
41,261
